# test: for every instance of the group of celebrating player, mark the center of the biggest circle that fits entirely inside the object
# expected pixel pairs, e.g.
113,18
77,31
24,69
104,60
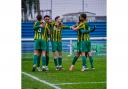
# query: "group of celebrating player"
47,29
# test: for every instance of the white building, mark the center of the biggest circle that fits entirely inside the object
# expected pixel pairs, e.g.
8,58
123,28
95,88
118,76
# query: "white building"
61,7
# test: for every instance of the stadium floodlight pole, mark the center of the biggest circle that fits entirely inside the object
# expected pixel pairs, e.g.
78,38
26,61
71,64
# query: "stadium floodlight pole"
51,8
82,5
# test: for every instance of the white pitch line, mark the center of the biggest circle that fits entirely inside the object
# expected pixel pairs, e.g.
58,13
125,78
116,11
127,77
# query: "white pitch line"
80,83
42,81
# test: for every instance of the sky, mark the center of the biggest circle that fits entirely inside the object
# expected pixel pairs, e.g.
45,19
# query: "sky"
61,7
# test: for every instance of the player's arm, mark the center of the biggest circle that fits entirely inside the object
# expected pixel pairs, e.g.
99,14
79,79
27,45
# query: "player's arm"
89,30
50,27
36,26
66,27
77,27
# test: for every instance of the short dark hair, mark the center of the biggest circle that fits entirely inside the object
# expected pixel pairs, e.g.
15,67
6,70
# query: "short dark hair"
57,17
39,17
79,19
46,16
83,16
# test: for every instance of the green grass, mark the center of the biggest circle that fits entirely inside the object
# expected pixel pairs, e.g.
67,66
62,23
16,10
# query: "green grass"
65,76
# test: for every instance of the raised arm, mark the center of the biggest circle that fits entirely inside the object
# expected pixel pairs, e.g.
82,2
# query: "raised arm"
48,27
37,26
66,27
88,31
77,27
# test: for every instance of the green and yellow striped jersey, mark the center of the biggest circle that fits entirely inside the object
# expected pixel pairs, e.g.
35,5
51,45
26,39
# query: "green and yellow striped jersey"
83,36
40,33
56,32
50,27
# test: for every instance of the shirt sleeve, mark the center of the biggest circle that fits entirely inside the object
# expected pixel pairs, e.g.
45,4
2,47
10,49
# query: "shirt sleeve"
80,26
65,27
88,29
36,27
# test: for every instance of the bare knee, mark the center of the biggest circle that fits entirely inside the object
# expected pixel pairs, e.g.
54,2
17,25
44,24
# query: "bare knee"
83,54
36,52
90,53
77,54
60,54
43,53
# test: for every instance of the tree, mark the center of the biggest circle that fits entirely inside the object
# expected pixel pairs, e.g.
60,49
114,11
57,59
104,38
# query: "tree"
28,6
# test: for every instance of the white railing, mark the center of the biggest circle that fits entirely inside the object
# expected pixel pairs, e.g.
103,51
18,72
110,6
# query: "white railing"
70,39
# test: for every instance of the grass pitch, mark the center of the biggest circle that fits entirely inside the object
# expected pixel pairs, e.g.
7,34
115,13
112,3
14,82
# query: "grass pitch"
90,79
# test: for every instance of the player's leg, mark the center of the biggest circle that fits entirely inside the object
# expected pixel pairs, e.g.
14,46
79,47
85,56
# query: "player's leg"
43,60
43,47
91,59
74,61
60,61
76,57
38,60
36,53
90,54
56,60
87,55
35,58
47,56
84,66
83,51
59,58
54,48
59,50
47,60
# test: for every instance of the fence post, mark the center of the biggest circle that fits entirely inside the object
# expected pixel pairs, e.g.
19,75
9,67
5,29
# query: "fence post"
70,47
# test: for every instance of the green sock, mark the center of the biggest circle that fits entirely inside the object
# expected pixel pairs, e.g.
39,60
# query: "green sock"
55,61
47,60
91,59
43,60
38,61
59,61
74,60
35,59
84,60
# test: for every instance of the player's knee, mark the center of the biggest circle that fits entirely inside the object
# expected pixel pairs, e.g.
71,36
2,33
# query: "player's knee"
36,52
60,54
77,54
55,57
83,54
90,53
43,53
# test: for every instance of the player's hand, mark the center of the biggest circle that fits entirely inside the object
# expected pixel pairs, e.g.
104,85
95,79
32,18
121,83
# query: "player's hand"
42,25
94,27
72,27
